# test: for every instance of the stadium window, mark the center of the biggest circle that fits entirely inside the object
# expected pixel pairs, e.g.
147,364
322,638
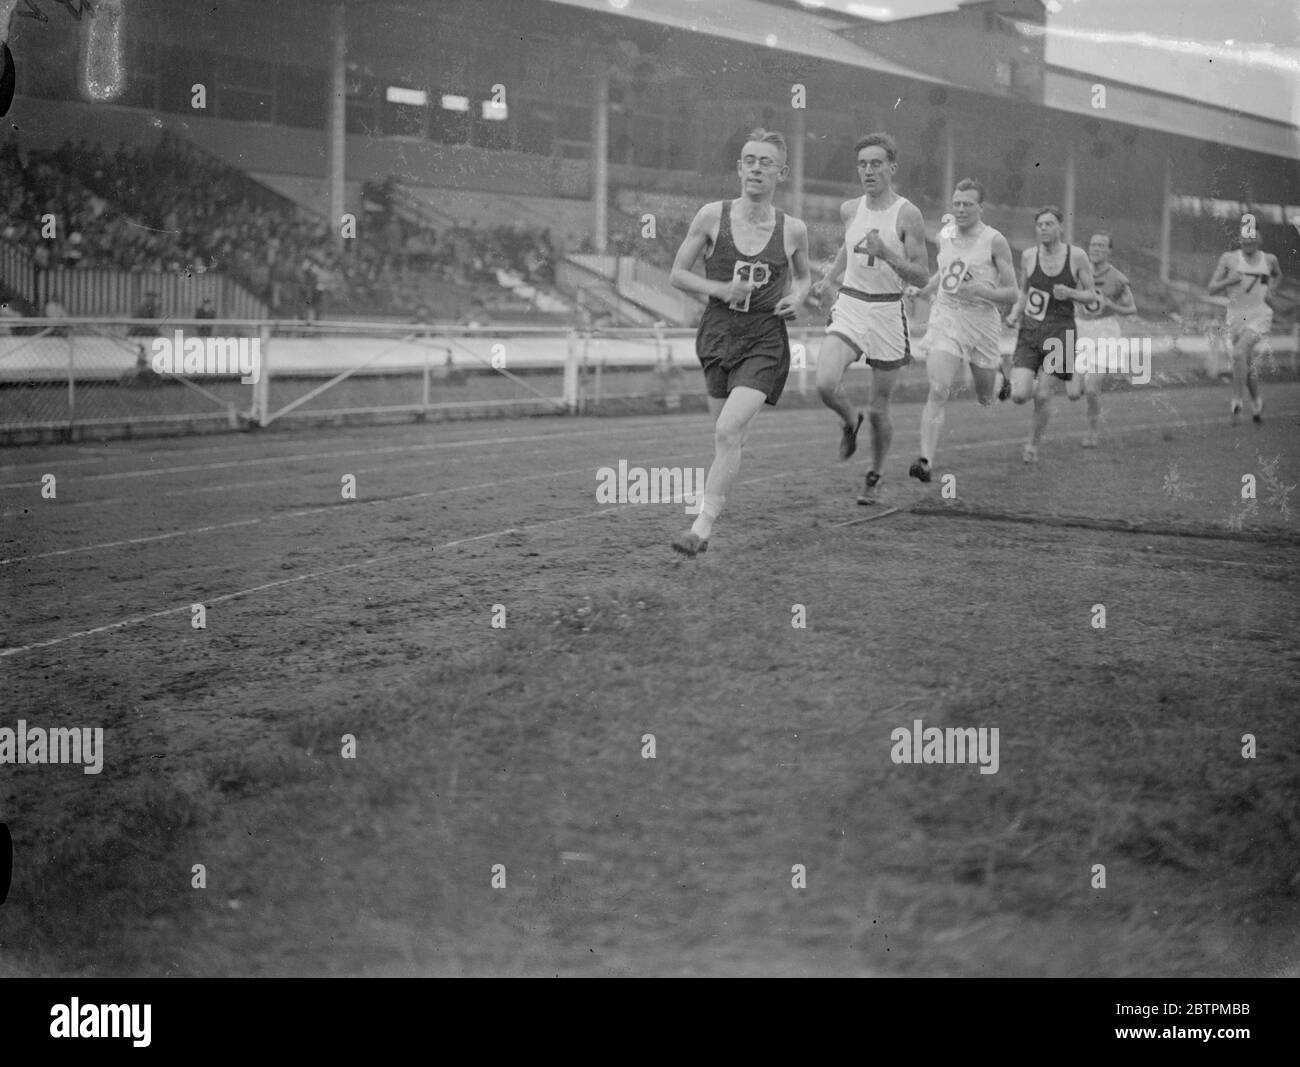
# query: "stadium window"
647,133
302,97
241,105
450,119
184,68
620,137
491,132
363,105
237,72
141,69
405,111
679,146
535,131
574,124
362,118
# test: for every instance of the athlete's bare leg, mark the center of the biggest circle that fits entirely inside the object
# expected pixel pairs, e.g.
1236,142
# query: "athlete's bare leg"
882,426
985,378
1042,406
833,360
1245,373
733,417
941,367
1092,397
1022,384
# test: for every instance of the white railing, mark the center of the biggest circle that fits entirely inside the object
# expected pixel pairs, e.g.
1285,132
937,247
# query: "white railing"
80,374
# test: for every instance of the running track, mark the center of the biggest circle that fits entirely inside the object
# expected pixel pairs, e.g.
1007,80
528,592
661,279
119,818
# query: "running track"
251,518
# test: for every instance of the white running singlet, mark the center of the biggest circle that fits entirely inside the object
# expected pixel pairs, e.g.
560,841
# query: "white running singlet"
966,259
867,273
1247,309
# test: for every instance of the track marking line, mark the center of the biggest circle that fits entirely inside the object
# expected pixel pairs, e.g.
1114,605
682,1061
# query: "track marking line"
340,506
192,468
783,439
870,518
374,560
609,509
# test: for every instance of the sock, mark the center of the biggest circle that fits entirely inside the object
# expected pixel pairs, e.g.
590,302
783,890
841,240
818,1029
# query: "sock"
710,509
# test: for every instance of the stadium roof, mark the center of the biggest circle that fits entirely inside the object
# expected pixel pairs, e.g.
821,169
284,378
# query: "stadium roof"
824,29
806,33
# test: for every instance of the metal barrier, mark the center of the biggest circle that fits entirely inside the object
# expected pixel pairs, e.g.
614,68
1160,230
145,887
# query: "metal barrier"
64,378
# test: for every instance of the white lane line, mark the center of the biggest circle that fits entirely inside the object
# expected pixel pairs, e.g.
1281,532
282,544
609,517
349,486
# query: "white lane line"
659,422
274,585
660,460
341,508
779,438
376,560
191,468
130,541
488,432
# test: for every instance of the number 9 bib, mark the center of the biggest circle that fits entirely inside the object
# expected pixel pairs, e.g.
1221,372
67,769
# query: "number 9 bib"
1036,305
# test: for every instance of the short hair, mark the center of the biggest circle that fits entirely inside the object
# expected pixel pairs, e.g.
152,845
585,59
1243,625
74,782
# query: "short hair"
1050,209
881,140
1110,241
973,185
768,137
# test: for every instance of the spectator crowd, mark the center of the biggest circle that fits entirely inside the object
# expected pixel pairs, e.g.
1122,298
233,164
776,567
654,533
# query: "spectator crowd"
171,207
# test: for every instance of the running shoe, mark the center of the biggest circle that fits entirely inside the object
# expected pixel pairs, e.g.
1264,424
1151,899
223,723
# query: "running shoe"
689,544
869,492
849,439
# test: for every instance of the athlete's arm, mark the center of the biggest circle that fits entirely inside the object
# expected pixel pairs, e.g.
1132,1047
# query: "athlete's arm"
1026,269
1224,276
1005,290
1274,274
1081,266
913,266
833,273
800,273
698,238
924,291
1125,305
836,270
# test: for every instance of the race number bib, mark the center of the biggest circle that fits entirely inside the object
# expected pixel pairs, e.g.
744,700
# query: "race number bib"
758,273
861,249
1036,305
954,276
1093,306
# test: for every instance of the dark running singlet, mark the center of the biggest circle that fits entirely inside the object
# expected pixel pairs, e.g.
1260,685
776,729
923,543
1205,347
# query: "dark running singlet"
767,269
1043,308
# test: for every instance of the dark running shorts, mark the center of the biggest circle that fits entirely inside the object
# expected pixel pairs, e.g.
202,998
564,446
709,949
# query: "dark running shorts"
739,348
1031,340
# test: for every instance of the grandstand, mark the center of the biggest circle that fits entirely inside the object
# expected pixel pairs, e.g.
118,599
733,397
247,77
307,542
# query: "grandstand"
364,180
